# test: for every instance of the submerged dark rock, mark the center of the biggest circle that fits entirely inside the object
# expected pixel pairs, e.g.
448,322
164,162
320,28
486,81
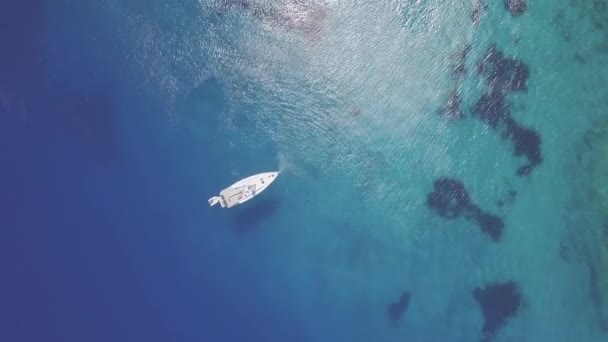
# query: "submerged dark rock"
503,74
479,7
230,4
397,309
491,109
499,302
459,71
527,143
516,7
451,108
449,199
491,225
465,51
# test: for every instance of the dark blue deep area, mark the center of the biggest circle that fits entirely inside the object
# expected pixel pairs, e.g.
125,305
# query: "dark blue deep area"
94,195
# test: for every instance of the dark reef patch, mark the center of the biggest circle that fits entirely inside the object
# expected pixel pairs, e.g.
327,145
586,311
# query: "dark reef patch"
451,109
491,109
516,7
397,309
479,6
226,5
490,224
450,199
465,52
458,69
504,75
527,143
499,302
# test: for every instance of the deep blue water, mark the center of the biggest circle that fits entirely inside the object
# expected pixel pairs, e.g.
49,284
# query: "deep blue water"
93,194
119,120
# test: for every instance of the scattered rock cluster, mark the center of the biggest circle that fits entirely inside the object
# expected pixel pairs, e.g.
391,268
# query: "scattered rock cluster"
449,199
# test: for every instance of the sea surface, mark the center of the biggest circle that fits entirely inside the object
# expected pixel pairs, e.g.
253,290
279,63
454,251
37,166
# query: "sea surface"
430,157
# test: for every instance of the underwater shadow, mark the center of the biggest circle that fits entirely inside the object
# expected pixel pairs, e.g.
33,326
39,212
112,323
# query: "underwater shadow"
398,308
250,216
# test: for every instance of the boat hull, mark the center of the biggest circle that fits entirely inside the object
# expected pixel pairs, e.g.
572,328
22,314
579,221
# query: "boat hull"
245,189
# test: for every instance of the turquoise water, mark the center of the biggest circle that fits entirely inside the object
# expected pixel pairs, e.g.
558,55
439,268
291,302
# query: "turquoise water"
349,114
343,98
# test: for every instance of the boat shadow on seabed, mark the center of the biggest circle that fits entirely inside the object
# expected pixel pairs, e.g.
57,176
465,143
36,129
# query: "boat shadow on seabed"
250,216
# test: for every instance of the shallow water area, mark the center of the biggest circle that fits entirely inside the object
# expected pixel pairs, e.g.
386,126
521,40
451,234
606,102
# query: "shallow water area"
350,111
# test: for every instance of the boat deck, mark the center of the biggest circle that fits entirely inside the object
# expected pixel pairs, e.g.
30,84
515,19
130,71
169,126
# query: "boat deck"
232,196
245,189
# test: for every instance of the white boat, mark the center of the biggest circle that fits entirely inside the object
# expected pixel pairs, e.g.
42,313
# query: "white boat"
244,190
